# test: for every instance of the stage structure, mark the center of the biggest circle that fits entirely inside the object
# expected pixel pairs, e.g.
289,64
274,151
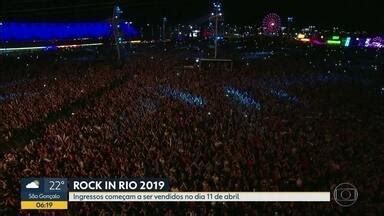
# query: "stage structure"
206,63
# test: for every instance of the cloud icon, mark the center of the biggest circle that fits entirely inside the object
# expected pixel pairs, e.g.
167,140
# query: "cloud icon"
33,185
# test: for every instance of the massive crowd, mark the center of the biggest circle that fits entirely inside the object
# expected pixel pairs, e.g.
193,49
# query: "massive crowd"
308,134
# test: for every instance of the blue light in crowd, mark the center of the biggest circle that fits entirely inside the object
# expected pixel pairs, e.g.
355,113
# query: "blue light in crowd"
149,104
313,80
17,31
11,96
283,95
242,97
184,96
257,55
14,83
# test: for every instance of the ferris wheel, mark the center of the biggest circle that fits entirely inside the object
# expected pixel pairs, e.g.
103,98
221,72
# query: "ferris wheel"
271,24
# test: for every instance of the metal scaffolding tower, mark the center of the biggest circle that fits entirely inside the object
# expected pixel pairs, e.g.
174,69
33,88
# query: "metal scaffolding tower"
217,16
116,20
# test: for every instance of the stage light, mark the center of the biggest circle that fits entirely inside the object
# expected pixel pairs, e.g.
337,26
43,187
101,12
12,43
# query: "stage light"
17,31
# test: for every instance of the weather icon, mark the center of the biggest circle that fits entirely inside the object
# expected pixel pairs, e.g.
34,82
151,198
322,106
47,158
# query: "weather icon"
33,185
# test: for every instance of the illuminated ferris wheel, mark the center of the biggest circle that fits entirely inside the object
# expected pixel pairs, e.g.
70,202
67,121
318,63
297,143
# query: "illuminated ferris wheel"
271,24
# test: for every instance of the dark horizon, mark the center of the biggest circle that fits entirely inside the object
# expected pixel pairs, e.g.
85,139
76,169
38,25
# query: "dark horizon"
349,15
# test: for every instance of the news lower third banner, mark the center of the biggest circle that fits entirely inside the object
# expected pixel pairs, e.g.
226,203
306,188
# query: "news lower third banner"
56,193
199,196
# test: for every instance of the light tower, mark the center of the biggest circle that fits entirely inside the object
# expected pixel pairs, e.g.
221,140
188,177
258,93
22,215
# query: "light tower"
164,25
216,15
117,30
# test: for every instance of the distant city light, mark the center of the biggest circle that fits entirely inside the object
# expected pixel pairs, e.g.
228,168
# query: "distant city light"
23,48
366,44
301,36
79,45
135,41
333,42
347,42
48,47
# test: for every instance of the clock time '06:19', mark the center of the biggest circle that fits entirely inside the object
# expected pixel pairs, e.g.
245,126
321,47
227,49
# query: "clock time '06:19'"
44,204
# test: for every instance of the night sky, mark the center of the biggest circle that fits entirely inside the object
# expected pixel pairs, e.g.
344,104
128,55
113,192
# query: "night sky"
352,15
